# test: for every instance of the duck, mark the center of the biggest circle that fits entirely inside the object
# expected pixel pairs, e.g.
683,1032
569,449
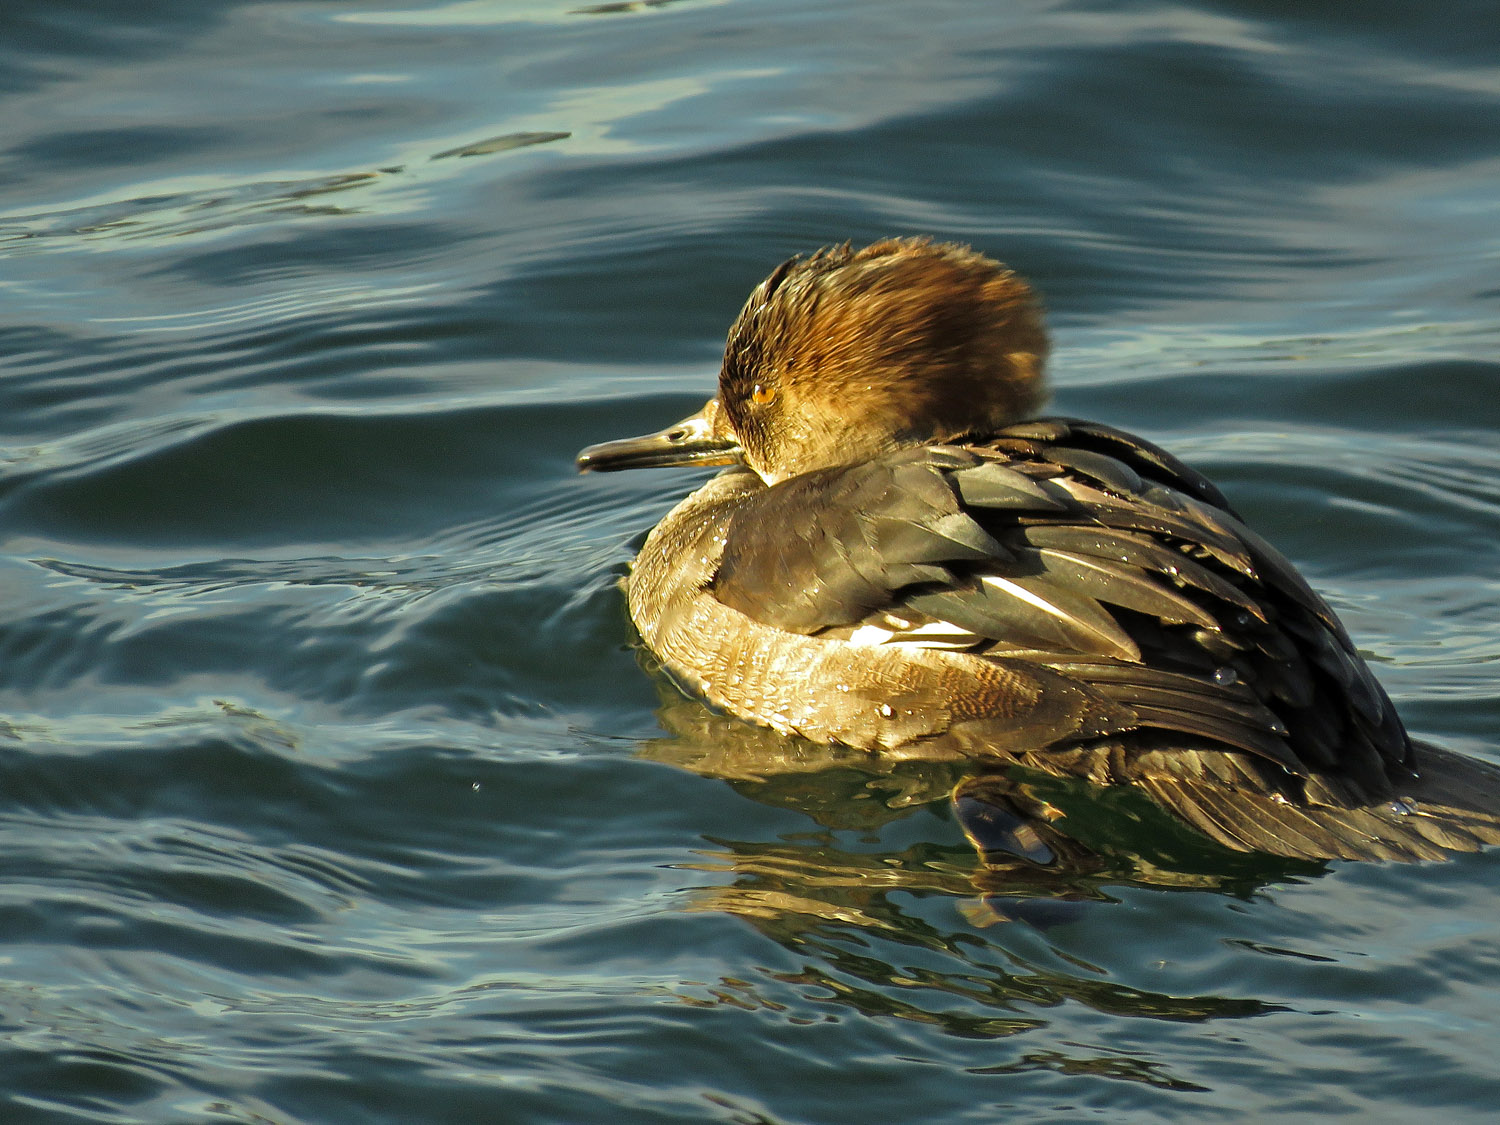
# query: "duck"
905,557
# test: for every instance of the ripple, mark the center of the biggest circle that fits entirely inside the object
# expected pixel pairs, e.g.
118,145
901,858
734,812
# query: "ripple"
331,787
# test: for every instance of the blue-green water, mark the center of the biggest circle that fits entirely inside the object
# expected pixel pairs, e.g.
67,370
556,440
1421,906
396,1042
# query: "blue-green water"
331,789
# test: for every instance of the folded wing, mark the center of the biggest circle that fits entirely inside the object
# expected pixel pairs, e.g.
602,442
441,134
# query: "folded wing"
1090,553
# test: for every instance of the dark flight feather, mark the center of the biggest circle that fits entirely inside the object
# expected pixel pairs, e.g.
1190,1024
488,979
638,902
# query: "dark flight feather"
1074,549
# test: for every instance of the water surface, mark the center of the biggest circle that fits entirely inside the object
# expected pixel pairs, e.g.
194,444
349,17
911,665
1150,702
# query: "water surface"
331,787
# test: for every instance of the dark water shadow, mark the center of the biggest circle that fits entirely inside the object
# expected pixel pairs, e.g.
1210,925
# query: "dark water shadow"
855,895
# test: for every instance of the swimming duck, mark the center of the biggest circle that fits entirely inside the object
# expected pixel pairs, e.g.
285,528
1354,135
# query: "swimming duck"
903,557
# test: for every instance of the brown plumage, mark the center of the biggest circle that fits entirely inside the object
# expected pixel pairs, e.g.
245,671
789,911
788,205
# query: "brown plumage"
900,562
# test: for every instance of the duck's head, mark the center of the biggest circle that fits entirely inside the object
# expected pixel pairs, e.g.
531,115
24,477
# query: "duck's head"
846,354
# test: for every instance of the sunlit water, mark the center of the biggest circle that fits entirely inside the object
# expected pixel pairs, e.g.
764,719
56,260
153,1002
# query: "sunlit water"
331,788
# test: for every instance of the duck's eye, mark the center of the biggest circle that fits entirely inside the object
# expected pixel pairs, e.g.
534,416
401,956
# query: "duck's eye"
762,395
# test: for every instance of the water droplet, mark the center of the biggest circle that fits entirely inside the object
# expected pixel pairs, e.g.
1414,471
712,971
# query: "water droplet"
1403,806
1278,727
1224,677
887,711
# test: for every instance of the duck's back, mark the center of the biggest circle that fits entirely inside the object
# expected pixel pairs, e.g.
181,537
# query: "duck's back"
1063,595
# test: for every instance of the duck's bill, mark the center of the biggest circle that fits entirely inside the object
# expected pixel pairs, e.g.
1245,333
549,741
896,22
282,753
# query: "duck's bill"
701,439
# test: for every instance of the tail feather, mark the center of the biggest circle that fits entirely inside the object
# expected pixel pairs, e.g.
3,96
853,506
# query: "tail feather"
1452,806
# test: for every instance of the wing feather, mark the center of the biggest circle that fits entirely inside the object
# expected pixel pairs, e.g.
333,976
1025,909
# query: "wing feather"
1093,554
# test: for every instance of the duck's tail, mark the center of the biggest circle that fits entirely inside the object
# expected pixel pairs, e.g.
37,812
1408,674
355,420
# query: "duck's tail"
1453,805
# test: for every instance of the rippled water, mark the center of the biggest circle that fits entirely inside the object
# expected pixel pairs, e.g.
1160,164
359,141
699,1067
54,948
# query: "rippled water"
331,788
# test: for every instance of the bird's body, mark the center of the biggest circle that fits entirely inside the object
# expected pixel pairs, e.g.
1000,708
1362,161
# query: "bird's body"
903,560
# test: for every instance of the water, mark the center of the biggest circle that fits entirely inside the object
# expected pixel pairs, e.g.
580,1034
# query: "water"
332,787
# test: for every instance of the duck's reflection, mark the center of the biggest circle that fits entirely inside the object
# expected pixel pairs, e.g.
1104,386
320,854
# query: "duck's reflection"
1032,835
1040,850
